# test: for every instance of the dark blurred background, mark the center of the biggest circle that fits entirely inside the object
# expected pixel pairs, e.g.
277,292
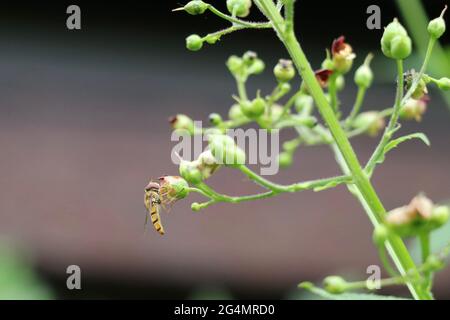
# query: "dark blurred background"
83,127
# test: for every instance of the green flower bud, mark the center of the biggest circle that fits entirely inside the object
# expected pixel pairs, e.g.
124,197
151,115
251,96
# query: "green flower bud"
335,284
194,42
235,113
226,151
195,206
436,27
173,187
364,74
440,216
249,57
240,8
257,108
195,7
371,121
443,84
257,67
340,83
215,119
284,159
234,64
401,47
182,122
284,70
190,172
395,30
304,103
380,235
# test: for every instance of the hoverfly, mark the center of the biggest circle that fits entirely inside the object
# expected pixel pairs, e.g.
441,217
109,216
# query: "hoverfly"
152,202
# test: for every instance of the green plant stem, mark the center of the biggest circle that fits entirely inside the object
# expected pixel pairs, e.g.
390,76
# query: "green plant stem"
332,90
396,247
426,250
390,129
237,21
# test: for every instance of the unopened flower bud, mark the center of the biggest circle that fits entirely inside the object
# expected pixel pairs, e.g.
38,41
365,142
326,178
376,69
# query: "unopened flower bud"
335,284
173,188
226,151
235,113
440,215
284,70
182,122
395,42
414,109
340,82
215,119
249,57
364,74
253,109
195,7
342,54
257,67
436,27
285,159
240,8
195,206
371,121
234,64
190,172
194,42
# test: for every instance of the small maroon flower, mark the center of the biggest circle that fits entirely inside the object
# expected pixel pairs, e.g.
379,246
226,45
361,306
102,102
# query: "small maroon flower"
342,54
322,76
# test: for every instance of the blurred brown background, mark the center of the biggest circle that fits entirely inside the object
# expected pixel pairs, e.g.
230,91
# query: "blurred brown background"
83,128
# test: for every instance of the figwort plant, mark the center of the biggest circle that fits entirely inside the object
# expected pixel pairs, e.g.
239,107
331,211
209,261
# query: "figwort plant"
319,91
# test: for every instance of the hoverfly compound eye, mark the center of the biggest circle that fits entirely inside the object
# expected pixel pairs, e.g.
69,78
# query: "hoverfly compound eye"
152,186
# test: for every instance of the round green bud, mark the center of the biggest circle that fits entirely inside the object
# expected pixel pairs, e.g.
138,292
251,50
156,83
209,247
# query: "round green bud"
249,57
284,70
304,103
182,122
235,113
257,67
284,159
364,76
195,7
444,83
380,235
234,64
436,27
258,106
401,47
285,87
335,284
240,8
175,187
215,119
226,151
190,172
194,42
393,29
195,206
440,215
340,83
